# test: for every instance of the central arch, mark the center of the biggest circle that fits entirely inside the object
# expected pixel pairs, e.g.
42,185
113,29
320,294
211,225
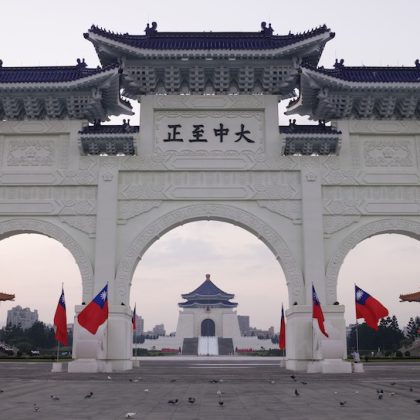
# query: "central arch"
217,212
405,227
208,328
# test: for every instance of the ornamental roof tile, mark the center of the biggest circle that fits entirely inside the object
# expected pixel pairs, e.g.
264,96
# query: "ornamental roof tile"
6,296
320,128
97,129
262,40
50,74
365,74
411,297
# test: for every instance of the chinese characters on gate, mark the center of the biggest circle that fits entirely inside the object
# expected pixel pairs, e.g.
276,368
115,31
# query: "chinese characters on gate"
204,134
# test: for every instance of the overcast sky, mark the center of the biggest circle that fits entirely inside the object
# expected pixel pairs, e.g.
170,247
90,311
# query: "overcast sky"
46,32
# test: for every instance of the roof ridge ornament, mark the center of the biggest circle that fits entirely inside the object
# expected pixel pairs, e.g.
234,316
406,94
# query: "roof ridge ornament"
81,64
268,31
151,30
417,63
339,64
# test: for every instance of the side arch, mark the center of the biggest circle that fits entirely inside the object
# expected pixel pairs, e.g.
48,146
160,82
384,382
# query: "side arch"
405,227
18,226
217,212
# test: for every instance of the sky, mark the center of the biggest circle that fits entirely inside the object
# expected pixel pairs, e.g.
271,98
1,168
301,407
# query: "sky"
46,32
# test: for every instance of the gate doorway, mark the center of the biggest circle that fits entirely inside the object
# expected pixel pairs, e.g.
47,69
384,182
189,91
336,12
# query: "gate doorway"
208,328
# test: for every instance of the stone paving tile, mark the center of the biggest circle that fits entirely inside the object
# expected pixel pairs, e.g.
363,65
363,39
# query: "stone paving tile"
251,390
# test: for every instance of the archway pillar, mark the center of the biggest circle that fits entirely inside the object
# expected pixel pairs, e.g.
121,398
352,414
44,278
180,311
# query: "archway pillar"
110,349
307,348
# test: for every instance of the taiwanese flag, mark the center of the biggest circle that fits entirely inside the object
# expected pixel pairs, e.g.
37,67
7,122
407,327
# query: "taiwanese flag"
133,319
60,321
96,313
369,308
282,335
317,312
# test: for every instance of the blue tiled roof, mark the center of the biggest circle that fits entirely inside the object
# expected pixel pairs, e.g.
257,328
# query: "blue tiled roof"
293,128
209,40
208,289
372,74
110,129
50,74
209,302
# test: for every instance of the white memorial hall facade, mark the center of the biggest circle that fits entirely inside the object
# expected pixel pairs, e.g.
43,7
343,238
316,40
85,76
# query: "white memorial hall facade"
209,147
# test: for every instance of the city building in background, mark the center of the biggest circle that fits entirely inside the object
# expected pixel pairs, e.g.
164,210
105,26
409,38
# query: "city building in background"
244,325
22,317
139,326
159,330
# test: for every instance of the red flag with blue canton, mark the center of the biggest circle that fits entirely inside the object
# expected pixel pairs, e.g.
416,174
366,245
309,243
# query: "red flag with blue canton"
317,312
96,313
369,308
282,335
133,319
60,321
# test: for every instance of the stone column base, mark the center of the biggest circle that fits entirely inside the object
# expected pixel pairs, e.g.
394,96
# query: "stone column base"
314,366
86,366
358,368
335,366
297,365
57,367
136,363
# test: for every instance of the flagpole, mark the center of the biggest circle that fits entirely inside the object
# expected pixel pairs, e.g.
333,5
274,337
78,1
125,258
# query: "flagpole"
357,329
58,343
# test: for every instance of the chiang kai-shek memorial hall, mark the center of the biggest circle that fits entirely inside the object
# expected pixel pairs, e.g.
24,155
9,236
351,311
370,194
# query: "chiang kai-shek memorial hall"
208,146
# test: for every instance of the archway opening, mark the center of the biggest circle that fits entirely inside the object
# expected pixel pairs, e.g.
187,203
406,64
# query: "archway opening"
208,328
384,266
239,263
33,268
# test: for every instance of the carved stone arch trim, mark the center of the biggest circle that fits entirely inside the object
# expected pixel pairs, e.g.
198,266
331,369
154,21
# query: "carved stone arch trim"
218,212
17,226
405,227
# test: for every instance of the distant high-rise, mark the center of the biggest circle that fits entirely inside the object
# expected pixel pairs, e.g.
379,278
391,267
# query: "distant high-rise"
244,324
159,329
22,317
139,326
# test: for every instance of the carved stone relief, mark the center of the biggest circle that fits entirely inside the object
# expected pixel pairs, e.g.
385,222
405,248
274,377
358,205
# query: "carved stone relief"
361,232
379,199
287,208
23,225
86,224
30,152
388,153
209,185
130,209
226,213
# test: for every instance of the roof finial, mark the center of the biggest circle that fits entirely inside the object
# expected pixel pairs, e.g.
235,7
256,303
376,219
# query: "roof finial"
339,64
1,63
151,30
207,276
417,63
265,30
81,64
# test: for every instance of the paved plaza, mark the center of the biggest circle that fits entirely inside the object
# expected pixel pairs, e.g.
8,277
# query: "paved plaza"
249,389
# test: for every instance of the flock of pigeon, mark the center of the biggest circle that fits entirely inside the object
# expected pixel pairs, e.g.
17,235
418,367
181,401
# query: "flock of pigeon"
219,394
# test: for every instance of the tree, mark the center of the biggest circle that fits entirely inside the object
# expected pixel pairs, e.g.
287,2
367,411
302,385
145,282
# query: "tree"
411,330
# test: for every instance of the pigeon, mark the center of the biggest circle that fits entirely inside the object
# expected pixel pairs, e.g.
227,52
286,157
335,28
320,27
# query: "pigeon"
213,381
54,397
417,401
343,403
411,389
109,378
133,380
191,400
293,377
393,383
296,393
146,390
173,380
89,395
391,394
219,392
129,415
272,382
380,396
304,383
221,402
1,390
36,408
173,402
